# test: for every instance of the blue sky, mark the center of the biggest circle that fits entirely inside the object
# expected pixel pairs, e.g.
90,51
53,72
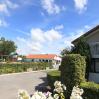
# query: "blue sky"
46,26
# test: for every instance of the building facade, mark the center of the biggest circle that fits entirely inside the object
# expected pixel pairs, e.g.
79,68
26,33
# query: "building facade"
92,38
56,60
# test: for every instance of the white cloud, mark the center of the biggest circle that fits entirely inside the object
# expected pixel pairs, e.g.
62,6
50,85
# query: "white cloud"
38,41
87,26
3,23
42,36
27,2
74,35
27,45
35,46
4,9
22,46
51,7
37,35
11,5
21,39
47,41
21,31
81,5
52,35
59,27
6,5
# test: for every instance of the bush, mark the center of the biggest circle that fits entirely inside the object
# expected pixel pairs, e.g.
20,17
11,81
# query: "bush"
72,68
22,67
91,90
53,76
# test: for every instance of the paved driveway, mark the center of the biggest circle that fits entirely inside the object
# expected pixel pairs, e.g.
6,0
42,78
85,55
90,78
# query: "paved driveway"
10,84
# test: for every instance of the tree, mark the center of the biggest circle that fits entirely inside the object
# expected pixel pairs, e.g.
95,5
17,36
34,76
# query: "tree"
65,51
6,46
83,48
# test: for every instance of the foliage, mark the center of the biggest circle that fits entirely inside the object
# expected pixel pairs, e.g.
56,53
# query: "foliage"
72,68
22,56
59,88
65,51
91,90
7,46
53,76
83,48
22,67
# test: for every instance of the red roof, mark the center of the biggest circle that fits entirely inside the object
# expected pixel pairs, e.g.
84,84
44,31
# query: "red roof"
41,56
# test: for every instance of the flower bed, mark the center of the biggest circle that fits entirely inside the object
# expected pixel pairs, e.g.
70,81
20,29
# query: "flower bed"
58,93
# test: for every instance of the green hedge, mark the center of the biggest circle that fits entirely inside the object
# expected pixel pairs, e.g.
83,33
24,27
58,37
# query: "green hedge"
22,67
72,68
53,76
91,90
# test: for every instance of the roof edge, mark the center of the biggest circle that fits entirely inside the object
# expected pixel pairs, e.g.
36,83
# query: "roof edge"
86,33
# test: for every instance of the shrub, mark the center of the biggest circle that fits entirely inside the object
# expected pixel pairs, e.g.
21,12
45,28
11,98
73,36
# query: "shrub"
91,90
53,76
72,68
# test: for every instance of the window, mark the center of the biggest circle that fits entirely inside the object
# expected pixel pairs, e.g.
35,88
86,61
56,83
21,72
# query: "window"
95,50
95,65
32,60
46,60
50,60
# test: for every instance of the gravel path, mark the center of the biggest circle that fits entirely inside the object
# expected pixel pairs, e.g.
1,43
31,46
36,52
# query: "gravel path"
11,83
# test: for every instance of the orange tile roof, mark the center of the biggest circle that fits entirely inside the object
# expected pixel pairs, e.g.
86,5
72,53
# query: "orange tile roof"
41,56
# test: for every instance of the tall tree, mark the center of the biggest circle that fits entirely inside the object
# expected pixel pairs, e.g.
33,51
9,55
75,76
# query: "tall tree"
83,48
6,46
65,51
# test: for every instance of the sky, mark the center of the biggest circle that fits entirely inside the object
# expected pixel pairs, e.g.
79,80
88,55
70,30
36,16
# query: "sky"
46,26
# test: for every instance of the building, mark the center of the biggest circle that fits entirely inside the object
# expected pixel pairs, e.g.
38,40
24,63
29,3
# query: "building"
56,60
13,57
92,38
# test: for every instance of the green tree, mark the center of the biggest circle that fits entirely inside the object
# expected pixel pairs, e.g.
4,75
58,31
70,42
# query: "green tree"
6,46
83,48
65,51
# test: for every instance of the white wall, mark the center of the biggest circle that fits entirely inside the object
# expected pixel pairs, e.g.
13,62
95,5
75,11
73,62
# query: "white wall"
57,62
94,37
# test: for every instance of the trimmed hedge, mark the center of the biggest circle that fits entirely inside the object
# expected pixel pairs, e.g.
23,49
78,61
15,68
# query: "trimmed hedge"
53,76
73,69
91,90
22,67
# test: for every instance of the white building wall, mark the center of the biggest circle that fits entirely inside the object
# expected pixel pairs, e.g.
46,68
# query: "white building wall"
94,37
57,62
